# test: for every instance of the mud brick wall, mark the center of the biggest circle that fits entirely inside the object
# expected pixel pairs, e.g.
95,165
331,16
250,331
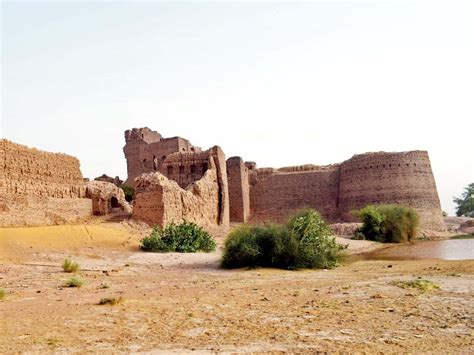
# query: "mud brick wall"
30,171
145,151
40,188
401,178
275,194
159,200
237,174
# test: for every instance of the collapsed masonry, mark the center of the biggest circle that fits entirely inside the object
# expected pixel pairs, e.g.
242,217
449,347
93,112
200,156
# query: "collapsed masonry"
106,198
242,193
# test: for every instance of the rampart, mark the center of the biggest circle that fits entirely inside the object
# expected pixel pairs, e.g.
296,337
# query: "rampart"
272,194
401,178
38,187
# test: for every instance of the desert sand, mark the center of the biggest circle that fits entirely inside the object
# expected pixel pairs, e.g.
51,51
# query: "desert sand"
185,302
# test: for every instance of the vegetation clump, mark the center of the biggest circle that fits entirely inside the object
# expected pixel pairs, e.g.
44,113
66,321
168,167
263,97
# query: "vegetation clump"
70,266
305,241
128,192
110,300
186,237
465,203
74,282
419,284
3,293
388,223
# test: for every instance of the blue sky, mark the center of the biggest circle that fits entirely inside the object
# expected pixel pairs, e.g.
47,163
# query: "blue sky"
278,83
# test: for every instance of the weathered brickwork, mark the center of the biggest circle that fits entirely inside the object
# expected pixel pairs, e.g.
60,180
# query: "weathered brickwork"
39,188
337,190
145,151
30,171
239,195
272,194
402,178
106,198
161,201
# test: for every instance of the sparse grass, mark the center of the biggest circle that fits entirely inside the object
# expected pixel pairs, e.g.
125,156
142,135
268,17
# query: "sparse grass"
420,284
463,236
3,293
70,266
110,300
53,341
453,274
74,282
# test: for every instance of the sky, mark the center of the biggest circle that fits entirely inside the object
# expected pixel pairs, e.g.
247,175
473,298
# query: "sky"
279,83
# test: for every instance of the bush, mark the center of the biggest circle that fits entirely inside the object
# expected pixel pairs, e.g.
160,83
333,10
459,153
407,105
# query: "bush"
74,282
128,191
186,237
70,266
3,293
388,223
304,242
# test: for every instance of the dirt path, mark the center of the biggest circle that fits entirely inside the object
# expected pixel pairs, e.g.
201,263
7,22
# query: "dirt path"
179,303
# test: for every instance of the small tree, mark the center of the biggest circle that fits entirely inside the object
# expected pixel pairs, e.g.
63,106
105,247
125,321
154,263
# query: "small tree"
465,203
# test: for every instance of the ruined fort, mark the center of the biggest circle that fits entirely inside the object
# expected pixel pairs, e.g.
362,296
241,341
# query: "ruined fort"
253,195
175,180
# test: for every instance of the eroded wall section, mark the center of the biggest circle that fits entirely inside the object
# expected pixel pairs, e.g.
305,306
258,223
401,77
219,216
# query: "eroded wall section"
39,188
161,200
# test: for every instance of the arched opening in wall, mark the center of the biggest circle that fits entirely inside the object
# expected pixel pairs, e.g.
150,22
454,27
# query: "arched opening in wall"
204,167
184,149
163,157
181,169
170,170
114,202
192,149
193,169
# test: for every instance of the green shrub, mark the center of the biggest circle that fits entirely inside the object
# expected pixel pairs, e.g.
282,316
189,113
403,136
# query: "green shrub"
3,293
317,248
70,266
304,242
186,237
74,282
128,192
388,223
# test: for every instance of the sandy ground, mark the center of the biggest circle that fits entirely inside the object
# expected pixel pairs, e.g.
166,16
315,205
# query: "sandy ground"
183,302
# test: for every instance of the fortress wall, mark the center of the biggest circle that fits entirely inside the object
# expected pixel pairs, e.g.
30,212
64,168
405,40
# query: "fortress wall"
238,189
30,171
399,178
274,195
39,188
